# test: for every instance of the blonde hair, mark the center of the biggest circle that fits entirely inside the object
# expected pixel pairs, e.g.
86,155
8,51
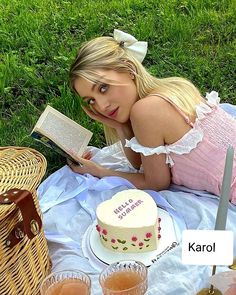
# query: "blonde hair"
107,54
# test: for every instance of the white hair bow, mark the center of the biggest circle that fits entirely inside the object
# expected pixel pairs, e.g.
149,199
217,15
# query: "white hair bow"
137,48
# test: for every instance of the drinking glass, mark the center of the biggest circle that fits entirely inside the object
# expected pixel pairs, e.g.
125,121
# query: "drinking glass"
67,282
127,277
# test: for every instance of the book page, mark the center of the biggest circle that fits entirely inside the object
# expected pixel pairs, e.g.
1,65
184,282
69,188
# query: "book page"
69,135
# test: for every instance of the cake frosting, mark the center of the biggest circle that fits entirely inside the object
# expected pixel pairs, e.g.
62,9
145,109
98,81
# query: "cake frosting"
129,222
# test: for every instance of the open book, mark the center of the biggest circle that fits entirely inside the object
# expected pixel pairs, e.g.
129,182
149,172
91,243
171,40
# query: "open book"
61,134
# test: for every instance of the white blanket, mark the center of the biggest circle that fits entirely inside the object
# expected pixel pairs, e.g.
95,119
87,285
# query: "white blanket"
68,201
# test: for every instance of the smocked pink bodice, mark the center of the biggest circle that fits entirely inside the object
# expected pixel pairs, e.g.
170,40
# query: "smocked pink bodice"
197,159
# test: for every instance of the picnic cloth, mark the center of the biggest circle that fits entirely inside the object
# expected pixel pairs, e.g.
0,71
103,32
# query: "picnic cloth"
69,200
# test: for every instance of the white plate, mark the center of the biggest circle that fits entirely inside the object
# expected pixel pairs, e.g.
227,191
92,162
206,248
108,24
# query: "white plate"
101,256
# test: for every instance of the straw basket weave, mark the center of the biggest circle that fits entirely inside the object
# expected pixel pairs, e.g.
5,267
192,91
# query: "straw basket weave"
24,259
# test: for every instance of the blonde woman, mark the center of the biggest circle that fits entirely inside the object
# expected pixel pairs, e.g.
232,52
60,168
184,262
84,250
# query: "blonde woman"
165,126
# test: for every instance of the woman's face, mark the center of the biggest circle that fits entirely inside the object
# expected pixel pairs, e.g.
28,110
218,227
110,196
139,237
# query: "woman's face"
114,99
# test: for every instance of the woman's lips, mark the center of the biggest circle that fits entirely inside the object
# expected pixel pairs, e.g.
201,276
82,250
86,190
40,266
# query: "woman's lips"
113,113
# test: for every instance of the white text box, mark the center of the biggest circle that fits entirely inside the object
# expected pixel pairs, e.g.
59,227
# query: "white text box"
207,247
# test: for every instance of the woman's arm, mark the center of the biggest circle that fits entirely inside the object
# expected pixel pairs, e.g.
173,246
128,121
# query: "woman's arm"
125,132
151,121
155,123
139,180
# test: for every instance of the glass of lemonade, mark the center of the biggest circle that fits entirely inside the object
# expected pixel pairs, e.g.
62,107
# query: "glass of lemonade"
67,282
125,277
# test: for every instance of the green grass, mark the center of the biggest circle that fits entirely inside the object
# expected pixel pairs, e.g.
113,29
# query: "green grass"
39,39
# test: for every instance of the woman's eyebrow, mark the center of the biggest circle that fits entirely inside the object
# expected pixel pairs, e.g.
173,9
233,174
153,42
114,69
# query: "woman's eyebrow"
92,89
95,85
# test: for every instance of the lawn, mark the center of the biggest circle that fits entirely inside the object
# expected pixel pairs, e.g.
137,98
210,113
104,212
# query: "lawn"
39,39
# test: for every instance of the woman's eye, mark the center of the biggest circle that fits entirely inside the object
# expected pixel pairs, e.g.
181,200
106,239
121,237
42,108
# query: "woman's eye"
91,101
103,88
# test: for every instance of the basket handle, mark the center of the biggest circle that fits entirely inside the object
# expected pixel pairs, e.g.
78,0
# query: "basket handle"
31,224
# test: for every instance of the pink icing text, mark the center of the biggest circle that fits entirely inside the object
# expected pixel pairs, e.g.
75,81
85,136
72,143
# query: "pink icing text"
126,208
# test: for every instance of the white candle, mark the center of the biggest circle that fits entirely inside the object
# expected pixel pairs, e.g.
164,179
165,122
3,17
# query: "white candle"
225,191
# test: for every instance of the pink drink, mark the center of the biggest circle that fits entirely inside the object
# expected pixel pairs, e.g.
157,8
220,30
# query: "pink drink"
122,280
68,282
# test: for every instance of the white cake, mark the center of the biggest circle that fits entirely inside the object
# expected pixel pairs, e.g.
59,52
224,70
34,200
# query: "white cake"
129,222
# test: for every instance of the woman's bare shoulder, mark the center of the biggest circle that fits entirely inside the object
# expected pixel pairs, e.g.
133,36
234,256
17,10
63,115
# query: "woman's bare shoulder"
152,108
155,116
148,119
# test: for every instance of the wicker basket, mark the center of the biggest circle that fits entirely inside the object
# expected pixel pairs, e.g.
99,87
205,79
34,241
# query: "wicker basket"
25,262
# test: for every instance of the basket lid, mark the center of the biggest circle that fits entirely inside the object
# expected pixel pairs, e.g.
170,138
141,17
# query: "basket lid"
21,167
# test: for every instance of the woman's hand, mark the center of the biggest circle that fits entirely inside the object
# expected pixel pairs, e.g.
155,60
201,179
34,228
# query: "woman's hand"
124,130
87,155
86,166
102,119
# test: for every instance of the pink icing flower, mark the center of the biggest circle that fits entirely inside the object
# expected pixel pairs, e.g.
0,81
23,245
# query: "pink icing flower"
104,231
134,239
98,228
140,244
113,241
159,236
148,235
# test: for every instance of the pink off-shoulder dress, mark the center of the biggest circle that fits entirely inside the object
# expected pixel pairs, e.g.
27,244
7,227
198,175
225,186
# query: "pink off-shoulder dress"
197,159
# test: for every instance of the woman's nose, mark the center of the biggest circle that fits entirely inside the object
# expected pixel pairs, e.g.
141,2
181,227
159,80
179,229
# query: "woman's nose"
103,104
